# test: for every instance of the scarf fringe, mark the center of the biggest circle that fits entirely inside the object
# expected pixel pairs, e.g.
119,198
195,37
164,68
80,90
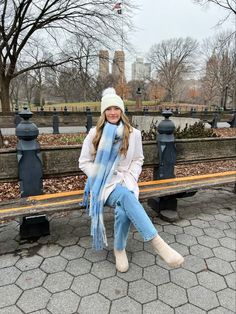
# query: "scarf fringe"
98,230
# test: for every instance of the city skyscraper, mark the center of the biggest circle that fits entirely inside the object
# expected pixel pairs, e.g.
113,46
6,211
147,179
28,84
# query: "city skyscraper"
103,63
140,70
118,66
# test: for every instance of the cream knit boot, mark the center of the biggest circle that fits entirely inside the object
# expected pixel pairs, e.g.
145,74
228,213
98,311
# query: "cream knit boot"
169,255
122,264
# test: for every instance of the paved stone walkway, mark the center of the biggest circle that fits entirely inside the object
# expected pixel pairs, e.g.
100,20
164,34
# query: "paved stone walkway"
61,274
48,130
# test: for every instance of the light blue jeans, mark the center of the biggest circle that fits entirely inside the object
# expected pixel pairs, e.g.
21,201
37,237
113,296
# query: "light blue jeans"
128,209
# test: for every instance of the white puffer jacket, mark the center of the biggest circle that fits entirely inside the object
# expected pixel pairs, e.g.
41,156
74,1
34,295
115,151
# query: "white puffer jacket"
128,168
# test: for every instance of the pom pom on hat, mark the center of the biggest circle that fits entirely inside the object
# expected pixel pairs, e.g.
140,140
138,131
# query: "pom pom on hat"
110,98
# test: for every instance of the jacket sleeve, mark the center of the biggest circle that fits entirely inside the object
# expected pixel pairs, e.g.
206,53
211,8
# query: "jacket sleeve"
86,159
135,167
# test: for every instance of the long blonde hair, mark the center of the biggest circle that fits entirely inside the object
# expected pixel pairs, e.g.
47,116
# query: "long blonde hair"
127,130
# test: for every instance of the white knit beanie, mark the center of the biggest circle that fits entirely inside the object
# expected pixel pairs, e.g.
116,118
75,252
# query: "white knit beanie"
110,98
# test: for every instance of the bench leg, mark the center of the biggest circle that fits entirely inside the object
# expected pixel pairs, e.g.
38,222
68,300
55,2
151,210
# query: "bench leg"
33,227
165,207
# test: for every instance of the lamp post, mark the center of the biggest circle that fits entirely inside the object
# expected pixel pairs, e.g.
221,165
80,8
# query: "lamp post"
138,98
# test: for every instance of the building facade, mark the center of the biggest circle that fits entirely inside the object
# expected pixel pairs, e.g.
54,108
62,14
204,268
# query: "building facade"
103,63
140,70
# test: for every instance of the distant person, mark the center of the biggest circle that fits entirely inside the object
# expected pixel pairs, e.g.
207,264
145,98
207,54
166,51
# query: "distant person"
112,158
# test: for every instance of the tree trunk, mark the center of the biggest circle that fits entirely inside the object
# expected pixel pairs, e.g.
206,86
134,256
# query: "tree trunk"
5,95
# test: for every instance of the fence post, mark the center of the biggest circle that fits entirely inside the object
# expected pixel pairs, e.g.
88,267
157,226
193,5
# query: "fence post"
138,104
165,206
145,111
55,122
233,121
30,174
89,122
17,118
215,120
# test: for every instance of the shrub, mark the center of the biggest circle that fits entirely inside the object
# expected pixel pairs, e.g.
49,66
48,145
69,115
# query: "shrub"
197,130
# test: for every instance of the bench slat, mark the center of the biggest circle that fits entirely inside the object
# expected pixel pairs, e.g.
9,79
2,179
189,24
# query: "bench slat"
66,201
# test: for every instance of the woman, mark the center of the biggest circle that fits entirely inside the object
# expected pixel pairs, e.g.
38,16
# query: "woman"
112,158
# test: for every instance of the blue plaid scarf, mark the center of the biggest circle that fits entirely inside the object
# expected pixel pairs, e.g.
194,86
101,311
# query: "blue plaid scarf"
105,162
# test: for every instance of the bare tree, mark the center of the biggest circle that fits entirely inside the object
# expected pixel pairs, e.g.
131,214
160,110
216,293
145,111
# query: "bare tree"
50,22
15,91
28,85
67,83
171,60
85,52
228,5
219,80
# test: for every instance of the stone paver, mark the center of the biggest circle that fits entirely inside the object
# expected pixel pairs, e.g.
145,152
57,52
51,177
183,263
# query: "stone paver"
9,295
10,310
49,250
173,229
78,267
8,275
62,274
231,280
201,251
156,275
194,263
63,302
203,298
58,282
189,308
219,266
8,260
182,249
208,241
183,278
31,262
134,273
113,288
143,259
227,254
214,232
85,285
142,291
220,310
33,300
228,243
126,305
194,231
134,246
94,304
186,239
53,264
211,280
157,307
227,299
72,252
103,269
172,294
95,256
31,279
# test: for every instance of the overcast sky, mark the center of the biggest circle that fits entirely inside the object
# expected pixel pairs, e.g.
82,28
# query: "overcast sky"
158,20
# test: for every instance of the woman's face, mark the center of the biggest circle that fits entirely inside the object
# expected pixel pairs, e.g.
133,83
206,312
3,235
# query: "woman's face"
113,114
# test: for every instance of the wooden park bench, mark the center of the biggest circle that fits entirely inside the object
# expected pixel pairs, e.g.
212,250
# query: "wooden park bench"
63,161
67,201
